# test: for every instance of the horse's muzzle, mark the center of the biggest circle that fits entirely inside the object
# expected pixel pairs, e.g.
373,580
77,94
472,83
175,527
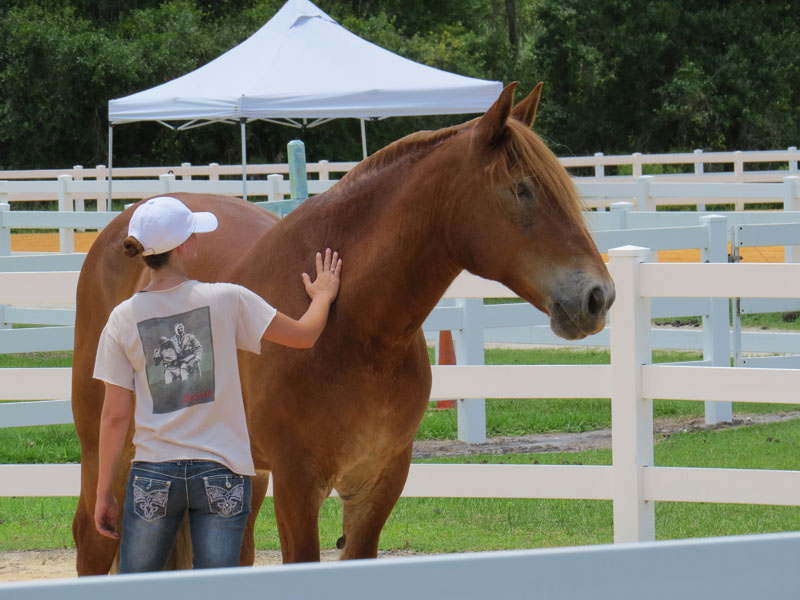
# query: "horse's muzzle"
580,307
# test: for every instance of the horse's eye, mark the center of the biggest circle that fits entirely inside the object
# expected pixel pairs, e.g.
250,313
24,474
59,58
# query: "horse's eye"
524,194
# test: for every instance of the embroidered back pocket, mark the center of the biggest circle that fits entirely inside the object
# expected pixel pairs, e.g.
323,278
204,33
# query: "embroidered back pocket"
225,494
150,497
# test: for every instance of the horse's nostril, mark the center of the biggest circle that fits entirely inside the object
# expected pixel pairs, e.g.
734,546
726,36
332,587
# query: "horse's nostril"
597,301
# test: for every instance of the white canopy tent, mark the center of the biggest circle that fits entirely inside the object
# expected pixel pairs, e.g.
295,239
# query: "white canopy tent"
303,69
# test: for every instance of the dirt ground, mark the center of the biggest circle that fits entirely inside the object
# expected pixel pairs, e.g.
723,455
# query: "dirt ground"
48,242
60,564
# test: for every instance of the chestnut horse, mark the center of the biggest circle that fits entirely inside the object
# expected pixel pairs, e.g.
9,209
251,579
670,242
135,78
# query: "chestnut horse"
486,196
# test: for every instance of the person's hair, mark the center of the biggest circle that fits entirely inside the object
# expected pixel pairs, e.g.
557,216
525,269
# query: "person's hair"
133,247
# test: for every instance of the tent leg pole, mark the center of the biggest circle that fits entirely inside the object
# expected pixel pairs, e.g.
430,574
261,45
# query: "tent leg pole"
242,123
363,138
110,163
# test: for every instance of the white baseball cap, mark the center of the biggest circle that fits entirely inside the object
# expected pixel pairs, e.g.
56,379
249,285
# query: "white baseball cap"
164,223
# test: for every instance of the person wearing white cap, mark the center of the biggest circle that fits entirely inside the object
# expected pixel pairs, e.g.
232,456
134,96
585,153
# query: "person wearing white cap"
174,345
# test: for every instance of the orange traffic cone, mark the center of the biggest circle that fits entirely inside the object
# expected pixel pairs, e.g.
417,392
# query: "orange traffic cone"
447,356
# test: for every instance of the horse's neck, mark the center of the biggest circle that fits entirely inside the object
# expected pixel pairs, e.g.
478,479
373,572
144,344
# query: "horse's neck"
396,261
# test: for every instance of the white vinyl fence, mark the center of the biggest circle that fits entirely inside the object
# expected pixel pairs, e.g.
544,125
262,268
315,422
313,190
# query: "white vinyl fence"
735,568
633,482
473,323
699,162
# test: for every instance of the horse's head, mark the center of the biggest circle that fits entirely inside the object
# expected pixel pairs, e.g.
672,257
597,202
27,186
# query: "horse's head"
523,225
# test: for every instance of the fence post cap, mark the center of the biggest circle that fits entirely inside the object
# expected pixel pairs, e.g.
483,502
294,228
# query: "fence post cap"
629,251
713,218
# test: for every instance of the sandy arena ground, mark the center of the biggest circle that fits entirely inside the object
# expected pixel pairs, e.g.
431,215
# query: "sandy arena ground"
48,242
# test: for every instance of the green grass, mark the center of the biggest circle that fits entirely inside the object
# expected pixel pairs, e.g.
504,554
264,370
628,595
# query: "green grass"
36,359
434,525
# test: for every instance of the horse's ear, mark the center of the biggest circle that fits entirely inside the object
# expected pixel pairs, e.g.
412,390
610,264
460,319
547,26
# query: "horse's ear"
492,125
525,111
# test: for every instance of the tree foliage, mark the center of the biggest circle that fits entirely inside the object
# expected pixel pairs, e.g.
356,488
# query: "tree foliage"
620,75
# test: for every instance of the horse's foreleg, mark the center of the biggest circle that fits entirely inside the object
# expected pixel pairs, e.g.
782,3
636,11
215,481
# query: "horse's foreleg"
298,498
248,554
367,508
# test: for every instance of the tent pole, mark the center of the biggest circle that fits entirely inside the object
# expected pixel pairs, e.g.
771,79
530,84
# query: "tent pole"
363,138
242,122
110,165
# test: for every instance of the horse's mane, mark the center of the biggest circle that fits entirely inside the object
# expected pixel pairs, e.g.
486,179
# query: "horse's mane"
403,149
520,146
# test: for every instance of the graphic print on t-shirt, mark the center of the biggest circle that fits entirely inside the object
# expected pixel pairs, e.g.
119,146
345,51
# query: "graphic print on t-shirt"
179,351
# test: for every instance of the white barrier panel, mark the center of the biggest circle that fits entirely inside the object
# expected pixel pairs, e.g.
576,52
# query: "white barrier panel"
509,481
721,384
734,568
35,384
467,285
40,480
738,486
699,280
51,288
521,381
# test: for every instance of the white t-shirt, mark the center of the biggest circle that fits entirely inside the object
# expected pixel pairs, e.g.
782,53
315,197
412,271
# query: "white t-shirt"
176,349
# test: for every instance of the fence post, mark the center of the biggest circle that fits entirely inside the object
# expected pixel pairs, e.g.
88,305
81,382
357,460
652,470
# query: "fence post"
620,210
644,201
66,235
469,349
716,329
791,201
698,170
738,174
793,163
631,414
103,202
5,232
324,170
80,204
5,244
186,176
166,180
636,165
599,169
274,193
213,172
298,177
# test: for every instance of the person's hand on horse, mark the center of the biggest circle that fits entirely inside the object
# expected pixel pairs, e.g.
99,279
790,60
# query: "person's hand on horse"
329,269
106,511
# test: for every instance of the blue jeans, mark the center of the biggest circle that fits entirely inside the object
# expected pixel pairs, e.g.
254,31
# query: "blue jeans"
158,495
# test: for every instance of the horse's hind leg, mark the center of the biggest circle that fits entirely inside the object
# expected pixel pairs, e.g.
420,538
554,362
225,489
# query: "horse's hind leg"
248,554
368,505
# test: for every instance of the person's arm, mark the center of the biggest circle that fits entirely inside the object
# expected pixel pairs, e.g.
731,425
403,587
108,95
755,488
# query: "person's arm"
304,332
114,423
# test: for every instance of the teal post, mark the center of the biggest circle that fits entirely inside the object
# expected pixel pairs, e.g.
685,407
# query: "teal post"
298,179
